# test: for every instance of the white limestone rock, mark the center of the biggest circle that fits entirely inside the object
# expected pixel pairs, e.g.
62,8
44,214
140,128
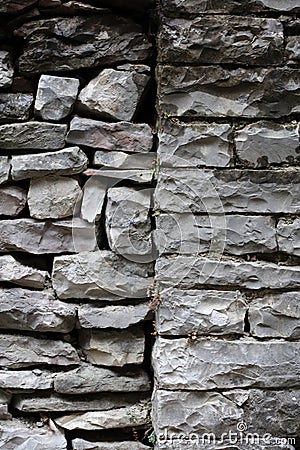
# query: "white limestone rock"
26,380
12,200
6,69
93,196
12,271
288,236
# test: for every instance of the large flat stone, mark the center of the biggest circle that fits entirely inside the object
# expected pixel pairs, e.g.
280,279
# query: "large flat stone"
12,271
288,236
217,92
25,380
81,444
6,69
15,107
221,39
12,200
130,137
89,275
32,135
4,169
81,41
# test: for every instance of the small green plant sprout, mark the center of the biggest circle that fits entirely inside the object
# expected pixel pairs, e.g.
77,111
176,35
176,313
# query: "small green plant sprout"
154,295
152,438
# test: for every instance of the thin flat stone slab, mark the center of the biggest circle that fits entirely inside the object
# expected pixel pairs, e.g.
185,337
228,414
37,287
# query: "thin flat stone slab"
119,136
219,39
122,160
81,41
6,69
12,200
88,379
218,92
15,107
113,176
208,312
93,197
25,380
288,236
32,136
81,444
12,271
23,351
4,168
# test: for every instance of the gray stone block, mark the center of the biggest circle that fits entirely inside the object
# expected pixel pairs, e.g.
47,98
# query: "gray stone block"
288,236
4,168
121,160
12,200
6,69
13,271
15,107
25,380
293,48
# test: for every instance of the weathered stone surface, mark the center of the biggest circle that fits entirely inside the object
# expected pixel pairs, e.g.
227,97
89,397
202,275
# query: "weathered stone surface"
23,351
53,197
114,347
21,309
68,161
263,143
194,144
4,169
18,434
32,135
80,444
25,380
112,316
114,94
111,175
293,48
134,415
93,196
5,399
217,92
212,364
276,315
288,236
191,271
88,379
221,40
6,69
81,41
121,160
90,275
15,6
12,200
213,191
55,97
15,106
204,312
130,137
13,271
128,225
237,235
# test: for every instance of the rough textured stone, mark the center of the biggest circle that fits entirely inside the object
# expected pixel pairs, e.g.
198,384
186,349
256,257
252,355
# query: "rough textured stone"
93,196
293,48
128,225
55,97
25,380
23,351
276,315
12,200
114,347
4,168
13,271
212,191
22,309
32,135
121,160
90,275
263,143
15,106
5,399
203,312
191,271
221,40
217,92
112,176
6,69
212,364
194,144
114,94
81,41
68,161
15,6
52,197
80,444
88,379
288,236
130,137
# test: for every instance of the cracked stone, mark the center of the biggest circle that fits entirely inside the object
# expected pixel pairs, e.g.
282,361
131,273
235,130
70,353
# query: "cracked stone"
4,168
288,236
15,106
13,271
12,200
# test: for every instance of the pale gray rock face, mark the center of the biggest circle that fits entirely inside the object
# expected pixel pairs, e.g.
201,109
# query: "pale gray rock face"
130,137
23,351
276,315
4,168
121,160
293,48
193,271
128,225
201,311
221,39
53,197
194,144
216,92
81,444
288,236
68,161
263,143
114,94
111,176
55,97
93,196
25,380
15,106
113,348
6,69
104,39
13,271
21,309
212,364
32,136
88,379
212,191
89,275
18,434
12,200
112,316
